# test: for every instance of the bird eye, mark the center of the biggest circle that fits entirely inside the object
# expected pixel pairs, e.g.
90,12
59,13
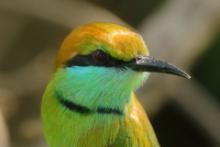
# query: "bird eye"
100,56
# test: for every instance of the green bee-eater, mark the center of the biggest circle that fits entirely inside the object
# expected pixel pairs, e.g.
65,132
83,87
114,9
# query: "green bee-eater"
90,100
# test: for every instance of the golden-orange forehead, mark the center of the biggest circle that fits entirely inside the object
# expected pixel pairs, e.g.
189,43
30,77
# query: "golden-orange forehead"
118,41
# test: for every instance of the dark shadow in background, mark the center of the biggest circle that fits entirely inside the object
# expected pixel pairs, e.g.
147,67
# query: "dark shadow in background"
174,128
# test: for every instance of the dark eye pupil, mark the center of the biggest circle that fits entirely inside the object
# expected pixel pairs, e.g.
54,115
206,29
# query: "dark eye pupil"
100,56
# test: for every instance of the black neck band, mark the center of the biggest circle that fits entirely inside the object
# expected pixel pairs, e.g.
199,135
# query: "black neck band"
85,110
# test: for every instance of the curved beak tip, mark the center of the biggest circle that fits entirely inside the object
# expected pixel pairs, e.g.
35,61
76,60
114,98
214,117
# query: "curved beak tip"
185,75
188,76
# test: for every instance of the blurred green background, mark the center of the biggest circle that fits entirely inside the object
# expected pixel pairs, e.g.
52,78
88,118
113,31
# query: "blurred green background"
186,33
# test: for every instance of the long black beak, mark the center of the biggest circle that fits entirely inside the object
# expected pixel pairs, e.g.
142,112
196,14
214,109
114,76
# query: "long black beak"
154,65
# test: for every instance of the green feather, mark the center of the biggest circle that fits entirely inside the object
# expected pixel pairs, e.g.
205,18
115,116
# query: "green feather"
91,87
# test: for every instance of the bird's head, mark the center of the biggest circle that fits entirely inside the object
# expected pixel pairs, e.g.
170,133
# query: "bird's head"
108,56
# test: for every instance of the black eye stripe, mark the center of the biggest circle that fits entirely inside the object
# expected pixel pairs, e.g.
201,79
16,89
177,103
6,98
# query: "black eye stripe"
97,58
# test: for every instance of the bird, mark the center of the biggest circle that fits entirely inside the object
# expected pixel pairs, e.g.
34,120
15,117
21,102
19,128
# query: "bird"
90,99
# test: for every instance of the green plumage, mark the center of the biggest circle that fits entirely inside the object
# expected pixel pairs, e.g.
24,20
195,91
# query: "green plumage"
90,101
65,128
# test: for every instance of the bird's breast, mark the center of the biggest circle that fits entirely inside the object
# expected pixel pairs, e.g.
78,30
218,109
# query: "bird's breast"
66,124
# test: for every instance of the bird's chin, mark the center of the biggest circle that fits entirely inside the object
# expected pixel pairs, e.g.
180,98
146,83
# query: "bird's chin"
130,79
138,79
